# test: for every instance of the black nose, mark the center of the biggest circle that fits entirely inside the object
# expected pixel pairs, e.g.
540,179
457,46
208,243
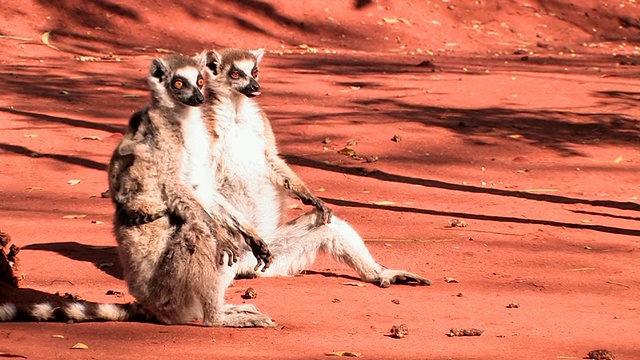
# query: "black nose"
253,85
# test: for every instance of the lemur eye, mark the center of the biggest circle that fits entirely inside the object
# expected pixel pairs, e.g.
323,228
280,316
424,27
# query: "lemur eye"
178,84
235,74
200,82
254,73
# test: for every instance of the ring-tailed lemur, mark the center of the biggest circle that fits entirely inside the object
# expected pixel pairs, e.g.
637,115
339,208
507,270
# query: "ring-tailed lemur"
256,181
171,248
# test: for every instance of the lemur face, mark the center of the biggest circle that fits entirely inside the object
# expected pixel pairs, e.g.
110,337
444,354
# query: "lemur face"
181,79
242,76
239,69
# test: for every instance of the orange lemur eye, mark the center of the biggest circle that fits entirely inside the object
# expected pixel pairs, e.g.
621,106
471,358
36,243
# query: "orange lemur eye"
235,74
178,84
200,82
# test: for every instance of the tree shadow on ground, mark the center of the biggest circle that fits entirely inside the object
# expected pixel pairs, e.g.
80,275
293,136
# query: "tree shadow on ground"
73,160
104,258
384,176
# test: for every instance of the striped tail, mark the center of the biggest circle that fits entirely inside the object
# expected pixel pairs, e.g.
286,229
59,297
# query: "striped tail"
72,312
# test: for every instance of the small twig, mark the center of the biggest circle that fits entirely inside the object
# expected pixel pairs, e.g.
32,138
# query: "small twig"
58,281
617,283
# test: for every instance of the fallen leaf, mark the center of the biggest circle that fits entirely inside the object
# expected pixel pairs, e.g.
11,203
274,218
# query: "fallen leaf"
405,21
355,284
30,135
384,202
116,293
91,138
97,222
166,51
582,269
344,353
449,280
80,346
355,88
74,216
465,332
74,182
58,336
320,190
98,247
514,136
45,40
618,160
15,38
348,152
396,138
64,92
390,20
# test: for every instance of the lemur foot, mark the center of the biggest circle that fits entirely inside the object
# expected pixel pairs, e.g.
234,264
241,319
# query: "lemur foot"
389,277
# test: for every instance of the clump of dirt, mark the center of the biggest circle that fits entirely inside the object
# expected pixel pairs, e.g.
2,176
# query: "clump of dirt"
601,354
250,293
9,264
399,331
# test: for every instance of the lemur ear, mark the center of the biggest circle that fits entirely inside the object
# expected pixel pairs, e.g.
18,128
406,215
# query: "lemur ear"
201,59
258,53
213,61
158,69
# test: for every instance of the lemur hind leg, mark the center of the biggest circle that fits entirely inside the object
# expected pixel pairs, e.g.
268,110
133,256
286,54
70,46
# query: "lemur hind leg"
296,244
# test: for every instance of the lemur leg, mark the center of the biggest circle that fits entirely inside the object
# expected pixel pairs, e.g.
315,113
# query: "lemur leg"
228,315
296,244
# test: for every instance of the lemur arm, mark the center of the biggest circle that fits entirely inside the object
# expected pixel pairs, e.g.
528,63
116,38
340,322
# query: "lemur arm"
283,176
226,214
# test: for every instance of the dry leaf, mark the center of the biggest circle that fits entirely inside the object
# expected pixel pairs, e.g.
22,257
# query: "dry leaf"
514,136
166,51
30,135
91,138
450,280
45,40
355,284
618,160
355,88
64,92
320,190
384,202
15,38
347,151
74,216
58,336
80,346
97,222
74,182
390,20
343,353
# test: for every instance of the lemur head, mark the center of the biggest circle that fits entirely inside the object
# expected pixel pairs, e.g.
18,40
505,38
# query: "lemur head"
238,69
177,80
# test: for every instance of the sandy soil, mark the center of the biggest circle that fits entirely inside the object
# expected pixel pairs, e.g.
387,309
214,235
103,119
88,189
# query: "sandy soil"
519,118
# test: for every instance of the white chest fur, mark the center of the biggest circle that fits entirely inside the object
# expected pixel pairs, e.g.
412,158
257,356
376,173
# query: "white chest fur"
196,168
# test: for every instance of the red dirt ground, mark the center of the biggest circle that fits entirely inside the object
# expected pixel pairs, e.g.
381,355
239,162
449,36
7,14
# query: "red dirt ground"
519,118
